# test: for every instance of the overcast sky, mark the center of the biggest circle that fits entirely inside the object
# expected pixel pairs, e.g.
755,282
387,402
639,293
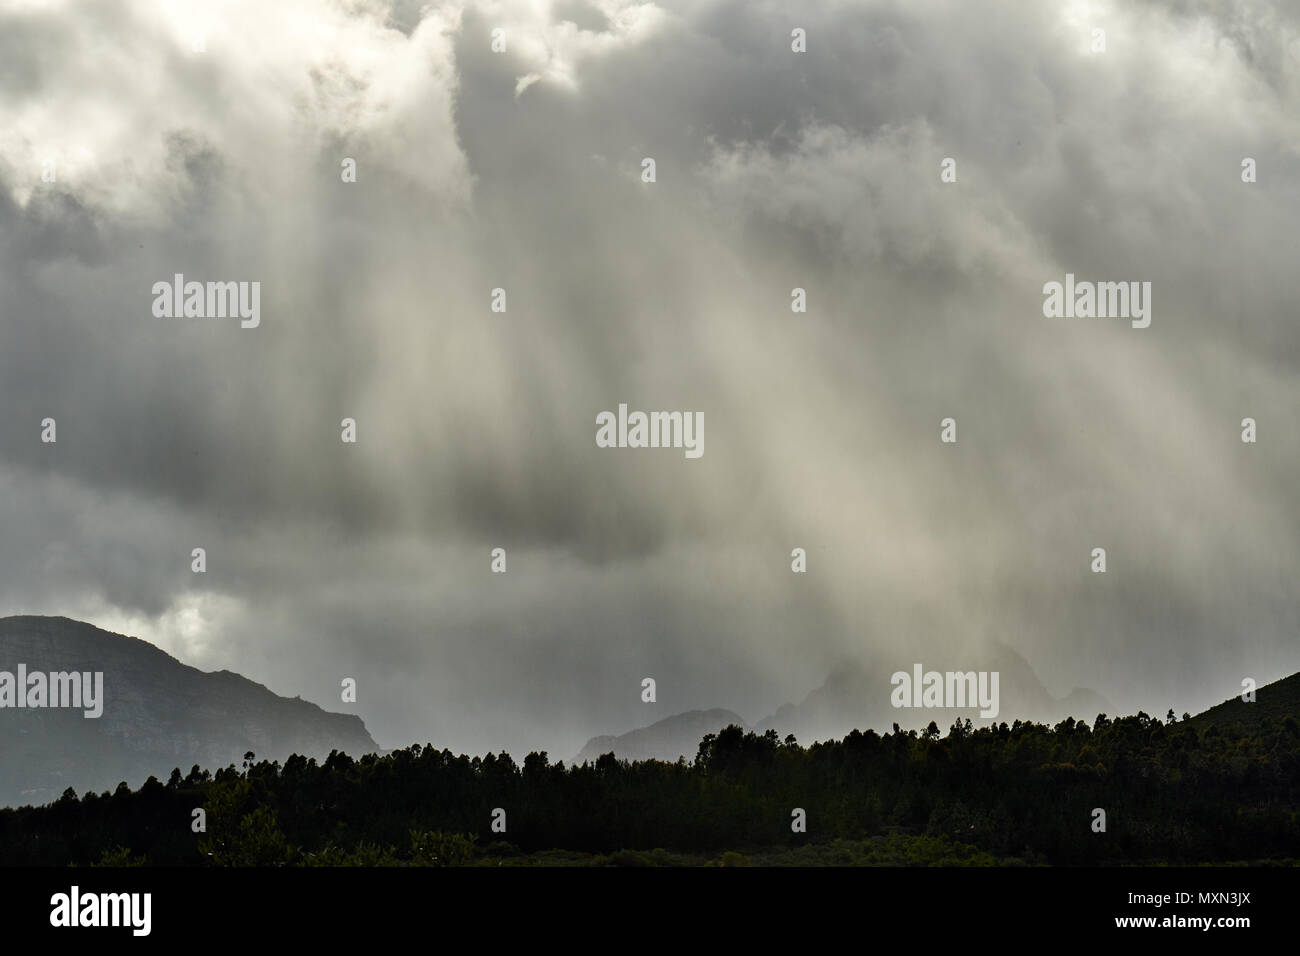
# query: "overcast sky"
775,169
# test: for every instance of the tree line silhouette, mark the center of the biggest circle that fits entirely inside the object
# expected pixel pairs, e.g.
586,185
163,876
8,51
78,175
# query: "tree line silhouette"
1173,792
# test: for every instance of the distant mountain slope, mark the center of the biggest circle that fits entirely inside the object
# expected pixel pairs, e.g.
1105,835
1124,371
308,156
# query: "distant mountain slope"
856,697
1275,701
666,739
158,714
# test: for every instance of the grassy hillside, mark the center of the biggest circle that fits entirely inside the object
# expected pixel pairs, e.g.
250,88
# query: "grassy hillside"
1273,703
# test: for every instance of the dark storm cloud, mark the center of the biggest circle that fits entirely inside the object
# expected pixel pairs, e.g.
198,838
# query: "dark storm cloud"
521,170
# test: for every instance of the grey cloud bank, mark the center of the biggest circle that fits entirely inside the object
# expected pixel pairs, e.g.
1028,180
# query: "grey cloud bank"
775,170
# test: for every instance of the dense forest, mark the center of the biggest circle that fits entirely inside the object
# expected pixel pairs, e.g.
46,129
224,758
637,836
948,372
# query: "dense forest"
1195,790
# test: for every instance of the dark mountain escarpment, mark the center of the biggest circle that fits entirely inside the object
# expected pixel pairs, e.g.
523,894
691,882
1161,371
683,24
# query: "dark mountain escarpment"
157,714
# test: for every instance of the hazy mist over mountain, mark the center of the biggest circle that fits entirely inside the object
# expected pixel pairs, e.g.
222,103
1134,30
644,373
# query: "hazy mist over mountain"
522,170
